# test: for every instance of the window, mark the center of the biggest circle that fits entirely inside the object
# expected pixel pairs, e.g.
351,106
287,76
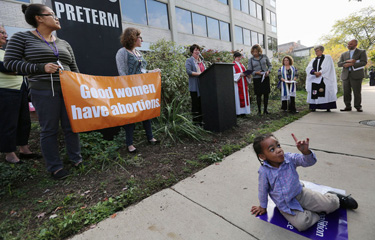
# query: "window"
245,6
157,14
199,25
261,40
254,38
272,44
273,3
237,4
238,34
224,1
269,41
184,21
26,1
268,16
246,37
273,19
224,31
213,28
134,11
253,8
259,12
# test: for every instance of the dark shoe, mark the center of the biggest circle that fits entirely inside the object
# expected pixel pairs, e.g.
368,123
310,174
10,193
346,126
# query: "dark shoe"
359,110
62,174
266,112
29,156
153,142
259,113
346,202
328,110
346,109
294,111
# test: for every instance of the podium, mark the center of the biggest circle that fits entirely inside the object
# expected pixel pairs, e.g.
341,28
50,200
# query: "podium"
216,87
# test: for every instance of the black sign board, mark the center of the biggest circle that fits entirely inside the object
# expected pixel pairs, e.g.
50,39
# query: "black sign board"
92,28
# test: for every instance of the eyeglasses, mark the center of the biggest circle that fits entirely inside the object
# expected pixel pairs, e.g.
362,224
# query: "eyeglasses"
3,32
50,14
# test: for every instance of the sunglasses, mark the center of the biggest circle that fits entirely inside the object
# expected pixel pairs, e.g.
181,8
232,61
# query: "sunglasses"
50,14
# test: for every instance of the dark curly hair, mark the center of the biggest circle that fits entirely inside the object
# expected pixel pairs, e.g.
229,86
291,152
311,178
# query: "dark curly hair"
289,58
31,11
129,37
257,145
193,47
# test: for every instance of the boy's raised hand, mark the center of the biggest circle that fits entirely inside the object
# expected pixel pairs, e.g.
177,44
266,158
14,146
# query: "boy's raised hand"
303,145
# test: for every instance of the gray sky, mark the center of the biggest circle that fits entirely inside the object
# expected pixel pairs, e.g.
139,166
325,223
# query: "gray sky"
308,20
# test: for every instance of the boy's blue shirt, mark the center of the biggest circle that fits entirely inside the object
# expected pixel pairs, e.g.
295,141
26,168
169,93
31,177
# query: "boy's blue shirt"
282,184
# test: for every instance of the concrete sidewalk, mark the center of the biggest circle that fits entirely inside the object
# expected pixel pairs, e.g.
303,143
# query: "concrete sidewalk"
215,203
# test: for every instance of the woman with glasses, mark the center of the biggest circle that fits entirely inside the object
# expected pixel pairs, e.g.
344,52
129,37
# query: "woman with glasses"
130,61
39,54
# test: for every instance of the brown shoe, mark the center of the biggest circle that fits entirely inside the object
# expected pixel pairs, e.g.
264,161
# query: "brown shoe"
346,109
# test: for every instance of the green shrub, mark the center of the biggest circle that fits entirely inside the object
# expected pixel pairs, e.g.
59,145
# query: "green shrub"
170,58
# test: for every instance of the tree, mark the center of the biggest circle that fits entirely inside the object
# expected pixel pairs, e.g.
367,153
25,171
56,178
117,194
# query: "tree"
359,25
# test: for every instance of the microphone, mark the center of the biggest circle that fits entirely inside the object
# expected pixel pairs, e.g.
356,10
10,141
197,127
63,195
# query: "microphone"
202,58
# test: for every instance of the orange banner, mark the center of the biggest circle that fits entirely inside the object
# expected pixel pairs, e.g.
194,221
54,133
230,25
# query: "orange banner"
96,102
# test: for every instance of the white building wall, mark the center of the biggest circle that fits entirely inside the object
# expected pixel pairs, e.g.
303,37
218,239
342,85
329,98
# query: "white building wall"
12,16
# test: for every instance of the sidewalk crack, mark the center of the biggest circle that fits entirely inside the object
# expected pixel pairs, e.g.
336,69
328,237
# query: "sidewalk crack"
214,213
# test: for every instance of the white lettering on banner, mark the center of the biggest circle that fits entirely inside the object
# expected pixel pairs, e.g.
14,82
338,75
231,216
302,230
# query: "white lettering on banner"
89,112
117,109
87,92
98,17
321,226
135,91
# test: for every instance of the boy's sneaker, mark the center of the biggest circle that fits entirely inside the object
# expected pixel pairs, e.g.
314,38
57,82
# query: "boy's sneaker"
62,174
346,201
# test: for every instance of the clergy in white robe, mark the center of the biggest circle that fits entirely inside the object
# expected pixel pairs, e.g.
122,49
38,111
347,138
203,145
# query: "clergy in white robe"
321,82
241,82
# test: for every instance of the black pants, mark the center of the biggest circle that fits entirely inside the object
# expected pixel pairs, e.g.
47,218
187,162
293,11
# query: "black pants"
265,101
292,104
196,108
15,121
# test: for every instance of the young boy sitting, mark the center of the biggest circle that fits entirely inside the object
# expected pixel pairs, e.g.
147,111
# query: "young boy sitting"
278,178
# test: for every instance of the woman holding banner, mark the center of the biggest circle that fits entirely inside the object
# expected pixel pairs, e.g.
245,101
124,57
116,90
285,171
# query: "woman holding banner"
39,54
130,61
14,108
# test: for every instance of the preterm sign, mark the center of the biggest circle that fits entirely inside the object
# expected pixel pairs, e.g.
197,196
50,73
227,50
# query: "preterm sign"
97,102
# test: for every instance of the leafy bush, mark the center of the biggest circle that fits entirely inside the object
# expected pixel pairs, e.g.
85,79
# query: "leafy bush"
170,58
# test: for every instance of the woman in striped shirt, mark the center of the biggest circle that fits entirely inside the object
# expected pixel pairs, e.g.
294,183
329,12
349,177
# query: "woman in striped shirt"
39,54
